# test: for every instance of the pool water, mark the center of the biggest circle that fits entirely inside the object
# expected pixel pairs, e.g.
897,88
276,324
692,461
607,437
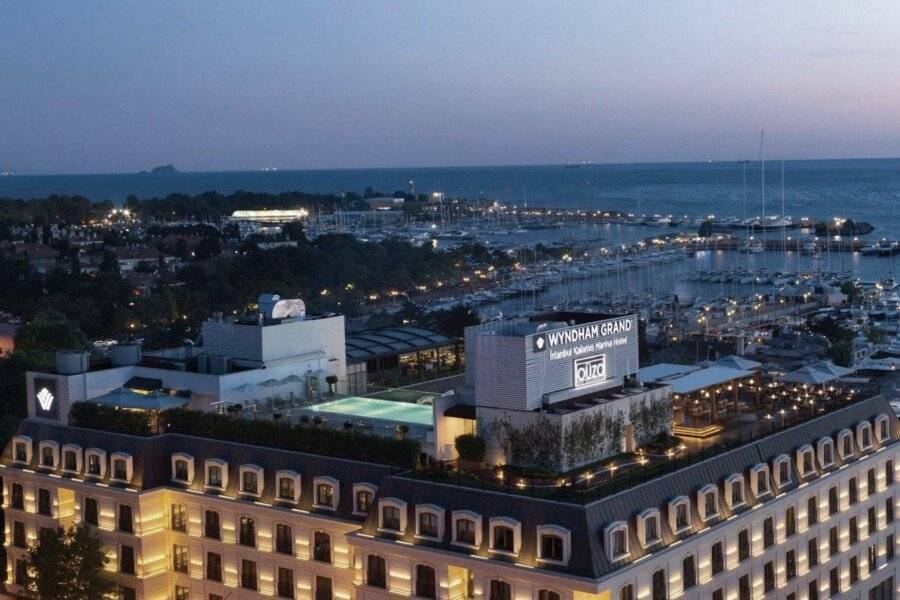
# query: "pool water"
373,408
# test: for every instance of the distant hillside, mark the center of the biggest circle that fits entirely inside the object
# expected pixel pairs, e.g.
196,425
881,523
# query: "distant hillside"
161,170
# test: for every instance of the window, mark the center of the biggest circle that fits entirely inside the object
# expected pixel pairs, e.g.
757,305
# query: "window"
216,474
212,528
126,560
362,499
832,500
617,540
744,587
326,496
21,577
718,558
48,455
871,521
19,539
678,514
760,479
889,510
464,531
428,524
71,459
790,521
812,511
872,558
500,590
648,527
853,490
179,518
710,506
889,547
323,588
812,552
659,585
288,487
718,594
743,544
182,593
180,469
889,472
871,482
833,541
864,435
813,590
375,571
805,461
90,511
127,593
322,547
845,447
790,564
826,452
768,577
180,558
503,538
627,592
22,449
689,572
735,490
854,569
45,505
768,533
251,477
17,496
95,462
125,521
783,470
285,582
547,595
551,547
248,574
426,586
853,528
390,517
284,539
247,532
834,582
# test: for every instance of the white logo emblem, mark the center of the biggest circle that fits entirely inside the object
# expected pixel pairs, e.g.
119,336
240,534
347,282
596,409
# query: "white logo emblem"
45,399
539,342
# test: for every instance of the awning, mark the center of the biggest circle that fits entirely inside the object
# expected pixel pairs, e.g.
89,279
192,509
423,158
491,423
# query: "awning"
124,398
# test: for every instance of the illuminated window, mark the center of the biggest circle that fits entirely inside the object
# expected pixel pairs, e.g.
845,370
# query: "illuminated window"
216,474
284,539
826,452
326,493
251,480
288,486
426,582
554,543
466,528
247,532
505,535
429,521
375,571
182,468
648,527
322,547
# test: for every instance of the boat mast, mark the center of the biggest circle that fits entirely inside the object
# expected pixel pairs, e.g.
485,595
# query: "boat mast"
762,159
783,224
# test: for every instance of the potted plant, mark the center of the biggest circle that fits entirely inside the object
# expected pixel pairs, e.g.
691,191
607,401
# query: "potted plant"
471,450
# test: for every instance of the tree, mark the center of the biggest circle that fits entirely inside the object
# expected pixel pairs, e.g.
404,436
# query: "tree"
69,565
706,228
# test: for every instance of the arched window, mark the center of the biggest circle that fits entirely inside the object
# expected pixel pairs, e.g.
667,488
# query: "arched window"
659,585
251,477
390,517
322,547
503,538
215,475
500,590
247,534
428,524
689,572
180,469
288,486
465,531
362,500
426,582
552,547
326,493
375,571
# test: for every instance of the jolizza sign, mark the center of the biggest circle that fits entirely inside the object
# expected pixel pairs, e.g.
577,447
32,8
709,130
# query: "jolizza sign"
589,371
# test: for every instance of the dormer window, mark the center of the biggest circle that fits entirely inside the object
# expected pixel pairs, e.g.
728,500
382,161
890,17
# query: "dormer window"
864,435
121,466
392,515
429,521
182,468
845,444
708,499
71,459
288,486
805,461
554,544
466,528
216,474
505,535
679,511
648,527
760,480
826,452
617,540
363,496
734,491
782,468
325,493
96,462
883,428
251,480
49,454
22,449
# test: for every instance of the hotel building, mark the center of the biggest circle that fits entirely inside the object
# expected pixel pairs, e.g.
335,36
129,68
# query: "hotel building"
803,511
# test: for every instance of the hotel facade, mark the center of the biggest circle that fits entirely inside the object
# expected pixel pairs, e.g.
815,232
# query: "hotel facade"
805,512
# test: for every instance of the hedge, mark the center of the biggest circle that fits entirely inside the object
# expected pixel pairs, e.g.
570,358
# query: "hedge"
338,443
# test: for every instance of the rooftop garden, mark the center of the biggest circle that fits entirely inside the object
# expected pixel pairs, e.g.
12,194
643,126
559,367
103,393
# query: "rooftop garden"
307,438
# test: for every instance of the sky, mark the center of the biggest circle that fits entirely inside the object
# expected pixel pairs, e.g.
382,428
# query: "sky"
120,86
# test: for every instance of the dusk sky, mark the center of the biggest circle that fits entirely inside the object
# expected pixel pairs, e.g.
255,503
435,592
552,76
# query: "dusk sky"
123,86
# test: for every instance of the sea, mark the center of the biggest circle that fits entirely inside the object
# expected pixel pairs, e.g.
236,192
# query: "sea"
863,190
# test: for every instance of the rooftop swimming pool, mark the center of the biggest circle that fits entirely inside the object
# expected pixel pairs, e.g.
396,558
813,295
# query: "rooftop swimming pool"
373,408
